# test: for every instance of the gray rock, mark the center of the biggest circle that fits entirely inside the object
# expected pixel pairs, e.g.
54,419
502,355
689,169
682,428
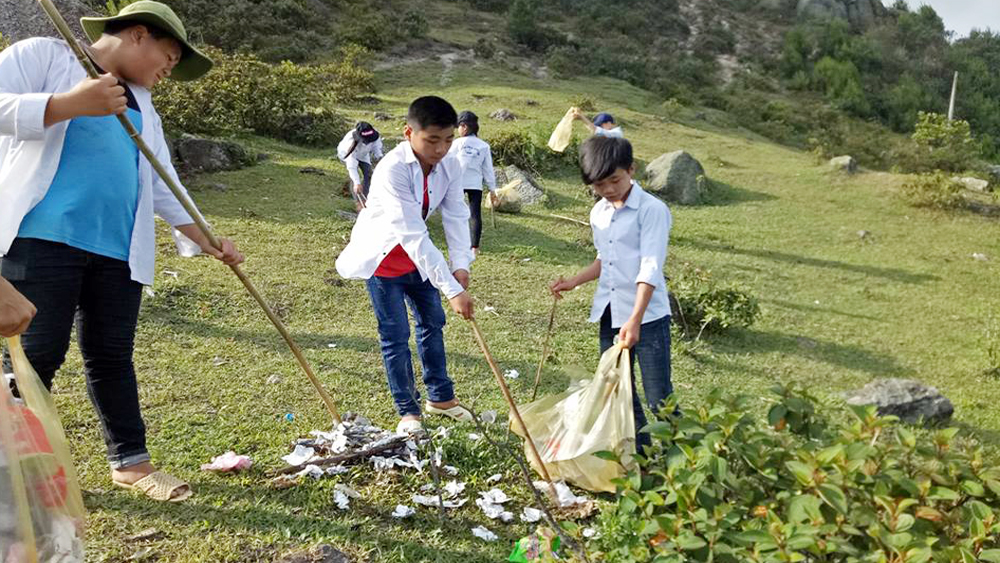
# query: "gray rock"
993,171
320,554
530,103
910,400
21,19
676,177
312,170
529,189
503,115
861,14
845,164
382,116
974,184
193,155
347,215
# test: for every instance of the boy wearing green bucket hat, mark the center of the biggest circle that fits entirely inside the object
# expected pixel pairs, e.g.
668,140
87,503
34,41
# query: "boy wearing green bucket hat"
77,218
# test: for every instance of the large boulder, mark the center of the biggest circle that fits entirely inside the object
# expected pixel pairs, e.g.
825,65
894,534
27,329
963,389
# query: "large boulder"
974,184
676,177
195,155
861,14
21,19
845,164
910,400
529,189
503,114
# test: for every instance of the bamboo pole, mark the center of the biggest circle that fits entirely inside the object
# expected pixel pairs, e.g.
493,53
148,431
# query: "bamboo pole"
53,13
545,348
513,407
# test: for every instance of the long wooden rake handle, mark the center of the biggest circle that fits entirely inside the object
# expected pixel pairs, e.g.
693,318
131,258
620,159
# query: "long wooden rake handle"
545,348
513,407
53,13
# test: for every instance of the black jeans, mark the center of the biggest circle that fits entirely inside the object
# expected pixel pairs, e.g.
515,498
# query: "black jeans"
67,284
653,353
476,211
366,170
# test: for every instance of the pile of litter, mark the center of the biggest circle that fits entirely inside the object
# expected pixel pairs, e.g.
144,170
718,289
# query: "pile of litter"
356,440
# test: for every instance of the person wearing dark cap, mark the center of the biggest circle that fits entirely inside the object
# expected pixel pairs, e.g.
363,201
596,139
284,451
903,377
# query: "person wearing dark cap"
356,150
477,167
77,231
602,125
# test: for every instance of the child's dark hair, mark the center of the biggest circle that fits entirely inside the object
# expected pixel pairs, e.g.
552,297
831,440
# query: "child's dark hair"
600,157
470,120
431,111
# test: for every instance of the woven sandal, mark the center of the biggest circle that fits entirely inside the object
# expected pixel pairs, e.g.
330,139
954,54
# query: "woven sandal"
159,486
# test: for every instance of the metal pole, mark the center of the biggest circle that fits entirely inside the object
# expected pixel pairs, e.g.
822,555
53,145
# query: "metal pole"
67,34
951,104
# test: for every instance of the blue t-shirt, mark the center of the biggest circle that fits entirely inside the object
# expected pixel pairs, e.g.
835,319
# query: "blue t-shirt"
92,201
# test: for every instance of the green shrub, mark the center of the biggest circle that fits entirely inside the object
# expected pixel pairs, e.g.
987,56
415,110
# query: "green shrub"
721,484
244,94
529,151
704,305
565,61
584,102
484,48
947,145
351,76
936,191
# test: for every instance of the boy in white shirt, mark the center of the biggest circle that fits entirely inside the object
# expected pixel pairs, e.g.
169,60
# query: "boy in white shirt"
477,167
603,124
631,228
356,150
391,248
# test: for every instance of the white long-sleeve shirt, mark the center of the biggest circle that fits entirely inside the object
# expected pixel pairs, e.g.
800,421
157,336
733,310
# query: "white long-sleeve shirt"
477,163
361,153
31,71
393,215
631,244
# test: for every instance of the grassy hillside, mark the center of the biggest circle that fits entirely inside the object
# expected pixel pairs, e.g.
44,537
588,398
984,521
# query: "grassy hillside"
907,300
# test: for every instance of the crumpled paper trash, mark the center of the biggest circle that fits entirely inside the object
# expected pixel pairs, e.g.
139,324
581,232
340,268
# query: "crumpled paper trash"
229,462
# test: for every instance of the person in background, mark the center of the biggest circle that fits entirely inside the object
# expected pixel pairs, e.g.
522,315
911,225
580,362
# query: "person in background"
477,168
357,150
603,124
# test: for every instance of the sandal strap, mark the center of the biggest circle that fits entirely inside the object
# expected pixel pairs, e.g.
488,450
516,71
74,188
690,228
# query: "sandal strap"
159,485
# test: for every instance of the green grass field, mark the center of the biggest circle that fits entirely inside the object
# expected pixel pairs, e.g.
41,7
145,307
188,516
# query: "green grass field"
838,311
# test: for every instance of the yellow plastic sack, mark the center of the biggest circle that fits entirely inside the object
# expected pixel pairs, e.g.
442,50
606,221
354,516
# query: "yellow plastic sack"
508,199
563,132
41,508
593,415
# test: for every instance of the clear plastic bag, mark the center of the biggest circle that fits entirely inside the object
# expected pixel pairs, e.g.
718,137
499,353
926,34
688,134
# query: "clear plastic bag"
41,508
593,415
563,133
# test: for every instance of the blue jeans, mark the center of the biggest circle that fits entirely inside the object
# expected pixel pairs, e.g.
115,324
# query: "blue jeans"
389,298
653,353
70,285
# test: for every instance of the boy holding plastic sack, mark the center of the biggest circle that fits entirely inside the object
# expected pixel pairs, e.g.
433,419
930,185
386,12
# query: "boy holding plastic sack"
631,228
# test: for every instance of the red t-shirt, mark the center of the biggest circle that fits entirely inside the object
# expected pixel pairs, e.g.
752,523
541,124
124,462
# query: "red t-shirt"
397,262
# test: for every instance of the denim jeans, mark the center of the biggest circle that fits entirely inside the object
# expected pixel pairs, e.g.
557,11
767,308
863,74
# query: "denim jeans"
653,353
389,298
70,285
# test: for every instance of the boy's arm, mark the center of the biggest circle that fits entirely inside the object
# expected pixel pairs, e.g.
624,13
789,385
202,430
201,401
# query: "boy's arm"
166,205
655,230
16,311
404,213
378,151
586,275
455,217
351,162
489,174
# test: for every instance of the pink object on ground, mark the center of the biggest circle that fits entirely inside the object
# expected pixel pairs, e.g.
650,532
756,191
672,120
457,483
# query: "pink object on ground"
228,462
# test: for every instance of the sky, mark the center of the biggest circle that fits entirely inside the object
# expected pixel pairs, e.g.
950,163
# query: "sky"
961,16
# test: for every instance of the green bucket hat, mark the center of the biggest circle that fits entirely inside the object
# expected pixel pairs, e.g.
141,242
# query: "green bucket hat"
193,64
